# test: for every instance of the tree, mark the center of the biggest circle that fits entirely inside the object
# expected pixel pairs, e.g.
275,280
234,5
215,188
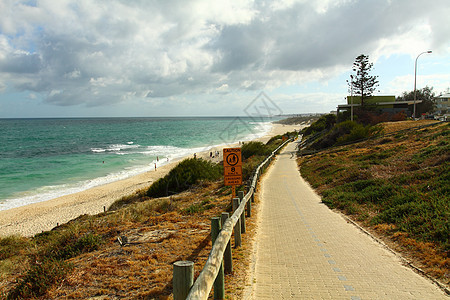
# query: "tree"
426,95
363,83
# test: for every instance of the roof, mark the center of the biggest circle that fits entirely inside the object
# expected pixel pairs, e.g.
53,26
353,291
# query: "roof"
383,103
446,95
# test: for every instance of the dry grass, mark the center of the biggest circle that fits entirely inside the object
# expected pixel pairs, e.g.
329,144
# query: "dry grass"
389,127
159,233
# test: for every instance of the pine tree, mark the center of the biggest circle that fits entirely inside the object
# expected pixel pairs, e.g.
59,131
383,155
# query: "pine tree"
363,84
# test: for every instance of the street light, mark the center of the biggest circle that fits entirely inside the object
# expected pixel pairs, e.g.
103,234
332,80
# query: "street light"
415,80
351,98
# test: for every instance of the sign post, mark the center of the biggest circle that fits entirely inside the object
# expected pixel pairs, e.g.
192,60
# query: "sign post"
232,164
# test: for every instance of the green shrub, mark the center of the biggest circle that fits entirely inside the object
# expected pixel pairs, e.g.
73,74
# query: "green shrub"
274,139
12,245
278,139
325,122
139,196
184,176
356,132
344,132
255,148
250,166
69,244
41,276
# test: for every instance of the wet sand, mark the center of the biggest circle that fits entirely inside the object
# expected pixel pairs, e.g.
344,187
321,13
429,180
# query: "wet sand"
37,217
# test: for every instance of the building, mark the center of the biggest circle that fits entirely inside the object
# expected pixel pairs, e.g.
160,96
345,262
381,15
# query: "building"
382,103
442,104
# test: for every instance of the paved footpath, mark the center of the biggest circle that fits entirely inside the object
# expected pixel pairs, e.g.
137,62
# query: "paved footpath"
306,251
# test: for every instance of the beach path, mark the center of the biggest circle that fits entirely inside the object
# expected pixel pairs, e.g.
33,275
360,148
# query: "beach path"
304,250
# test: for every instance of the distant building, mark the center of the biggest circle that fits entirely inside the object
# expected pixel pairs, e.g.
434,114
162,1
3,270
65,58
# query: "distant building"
442,104
383,103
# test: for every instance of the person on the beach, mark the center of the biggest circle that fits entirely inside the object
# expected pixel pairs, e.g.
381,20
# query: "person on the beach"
195,155
155,166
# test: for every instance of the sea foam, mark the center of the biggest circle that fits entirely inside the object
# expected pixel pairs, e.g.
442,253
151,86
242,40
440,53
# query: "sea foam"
142,159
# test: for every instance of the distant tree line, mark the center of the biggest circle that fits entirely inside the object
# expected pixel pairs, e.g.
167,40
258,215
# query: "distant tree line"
426,95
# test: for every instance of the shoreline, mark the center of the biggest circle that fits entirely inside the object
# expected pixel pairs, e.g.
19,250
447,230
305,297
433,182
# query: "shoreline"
34,218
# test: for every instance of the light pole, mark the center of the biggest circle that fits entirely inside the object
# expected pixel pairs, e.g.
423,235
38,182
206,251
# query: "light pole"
351,97
415,80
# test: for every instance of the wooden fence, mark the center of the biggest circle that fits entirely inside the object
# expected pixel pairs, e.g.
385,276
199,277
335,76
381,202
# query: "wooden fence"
220,256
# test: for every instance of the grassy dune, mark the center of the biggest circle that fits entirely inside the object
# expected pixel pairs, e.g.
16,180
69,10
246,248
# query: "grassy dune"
397,186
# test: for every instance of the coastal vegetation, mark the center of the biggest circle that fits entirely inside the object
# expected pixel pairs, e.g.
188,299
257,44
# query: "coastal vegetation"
186,174
396,185
327,132
297,120
128,251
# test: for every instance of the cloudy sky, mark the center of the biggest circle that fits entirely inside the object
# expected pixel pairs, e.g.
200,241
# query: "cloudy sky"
201,58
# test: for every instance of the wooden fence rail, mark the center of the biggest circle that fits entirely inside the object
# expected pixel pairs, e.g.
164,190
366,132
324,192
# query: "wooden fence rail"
203,285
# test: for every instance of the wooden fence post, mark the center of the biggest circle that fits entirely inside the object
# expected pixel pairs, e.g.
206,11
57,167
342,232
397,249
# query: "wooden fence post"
237,227
241,197
219,283
227,255
183,279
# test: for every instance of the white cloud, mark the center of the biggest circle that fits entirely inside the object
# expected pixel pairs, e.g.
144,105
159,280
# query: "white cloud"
439,82
107,52
223,88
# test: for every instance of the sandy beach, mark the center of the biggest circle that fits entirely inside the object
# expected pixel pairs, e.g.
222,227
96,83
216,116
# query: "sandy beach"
34,218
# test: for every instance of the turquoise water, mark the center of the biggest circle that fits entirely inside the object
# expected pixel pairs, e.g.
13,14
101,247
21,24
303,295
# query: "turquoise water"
41,159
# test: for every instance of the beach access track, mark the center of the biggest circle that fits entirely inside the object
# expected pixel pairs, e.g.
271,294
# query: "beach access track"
304,250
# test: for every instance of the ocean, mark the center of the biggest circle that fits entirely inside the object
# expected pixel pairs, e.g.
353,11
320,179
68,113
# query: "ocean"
42,159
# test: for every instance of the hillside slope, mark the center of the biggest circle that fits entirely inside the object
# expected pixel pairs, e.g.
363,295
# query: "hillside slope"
396,186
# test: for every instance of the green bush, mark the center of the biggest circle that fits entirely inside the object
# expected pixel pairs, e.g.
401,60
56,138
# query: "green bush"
40,278
139,196
274,139
357,132
345,132
184,176
68,244
250,166
325,122
12,245
277,140
255,148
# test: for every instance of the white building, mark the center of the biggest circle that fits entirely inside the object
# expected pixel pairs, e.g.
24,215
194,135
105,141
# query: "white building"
443,104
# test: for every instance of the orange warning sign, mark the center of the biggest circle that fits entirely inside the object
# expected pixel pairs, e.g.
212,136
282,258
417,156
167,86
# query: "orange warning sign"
232,157
232,163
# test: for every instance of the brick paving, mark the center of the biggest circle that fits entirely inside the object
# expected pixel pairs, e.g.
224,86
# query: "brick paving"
306,251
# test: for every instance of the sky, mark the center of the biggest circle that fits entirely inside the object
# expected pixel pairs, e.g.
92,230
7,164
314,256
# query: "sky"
153,58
